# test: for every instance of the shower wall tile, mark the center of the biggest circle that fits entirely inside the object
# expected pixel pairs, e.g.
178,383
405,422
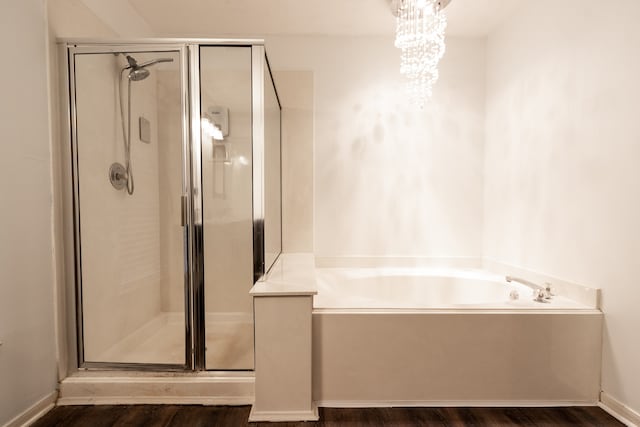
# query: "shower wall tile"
120,233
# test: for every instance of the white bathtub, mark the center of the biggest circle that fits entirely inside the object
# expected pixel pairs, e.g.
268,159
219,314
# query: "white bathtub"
434,337
425,288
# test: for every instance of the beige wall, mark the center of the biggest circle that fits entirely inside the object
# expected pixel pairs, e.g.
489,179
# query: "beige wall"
27,353
562,147
389,179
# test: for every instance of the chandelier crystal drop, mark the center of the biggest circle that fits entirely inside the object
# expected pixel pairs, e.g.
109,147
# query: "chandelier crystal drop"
420,27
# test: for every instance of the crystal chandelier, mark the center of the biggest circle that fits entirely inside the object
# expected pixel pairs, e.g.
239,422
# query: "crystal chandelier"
420,26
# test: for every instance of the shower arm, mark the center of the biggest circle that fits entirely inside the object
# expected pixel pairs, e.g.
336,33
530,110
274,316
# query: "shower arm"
148,63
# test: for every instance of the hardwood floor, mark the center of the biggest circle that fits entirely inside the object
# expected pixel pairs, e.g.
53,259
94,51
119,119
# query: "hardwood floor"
231,416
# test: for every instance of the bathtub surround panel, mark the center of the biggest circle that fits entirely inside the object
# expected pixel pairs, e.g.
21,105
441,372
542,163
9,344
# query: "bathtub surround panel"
373,152
27,333
561,173
450,338
459,359
295,91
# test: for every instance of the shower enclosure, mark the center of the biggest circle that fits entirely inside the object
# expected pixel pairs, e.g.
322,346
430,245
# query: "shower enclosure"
174,200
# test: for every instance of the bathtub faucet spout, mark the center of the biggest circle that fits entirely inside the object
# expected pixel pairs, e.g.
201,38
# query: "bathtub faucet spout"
540,293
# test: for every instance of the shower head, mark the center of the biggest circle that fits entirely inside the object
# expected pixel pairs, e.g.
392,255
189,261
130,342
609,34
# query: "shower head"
138,74
139,71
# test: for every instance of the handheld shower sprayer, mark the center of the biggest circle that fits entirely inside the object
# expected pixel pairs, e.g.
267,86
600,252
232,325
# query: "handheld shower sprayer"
137,72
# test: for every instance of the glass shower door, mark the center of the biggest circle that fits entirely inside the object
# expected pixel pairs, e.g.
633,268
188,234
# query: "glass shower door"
129,157
226,106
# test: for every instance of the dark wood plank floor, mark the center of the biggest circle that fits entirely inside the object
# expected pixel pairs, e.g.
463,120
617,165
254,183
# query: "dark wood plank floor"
230,416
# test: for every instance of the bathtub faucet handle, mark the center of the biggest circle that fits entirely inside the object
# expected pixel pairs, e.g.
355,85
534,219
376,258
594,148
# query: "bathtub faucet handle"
540,295
549,291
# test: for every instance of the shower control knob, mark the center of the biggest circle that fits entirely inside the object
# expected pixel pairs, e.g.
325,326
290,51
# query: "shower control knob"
118,176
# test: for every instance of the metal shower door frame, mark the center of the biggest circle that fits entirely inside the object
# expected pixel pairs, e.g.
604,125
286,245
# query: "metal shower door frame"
90,47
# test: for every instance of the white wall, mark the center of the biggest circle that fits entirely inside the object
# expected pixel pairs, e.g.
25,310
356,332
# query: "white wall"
562,150
95,18
27,353
391,179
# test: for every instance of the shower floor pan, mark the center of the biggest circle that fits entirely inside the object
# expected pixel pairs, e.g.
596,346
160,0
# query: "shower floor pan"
229,340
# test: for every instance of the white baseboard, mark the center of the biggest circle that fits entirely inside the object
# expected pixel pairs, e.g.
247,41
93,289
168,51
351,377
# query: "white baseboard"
619,410
283,416
449,403
35,411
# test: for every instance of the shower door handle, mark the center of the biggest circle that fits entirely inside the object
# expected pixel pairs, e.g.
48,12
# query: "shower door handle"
183,209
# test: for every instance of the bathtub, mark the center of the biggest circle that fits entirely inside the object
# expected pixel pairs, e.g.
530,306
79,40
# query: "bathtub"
439,337
425,289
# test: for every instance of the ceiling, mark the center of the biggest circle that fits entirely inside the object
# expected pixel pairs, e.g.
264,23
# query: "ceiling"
208,18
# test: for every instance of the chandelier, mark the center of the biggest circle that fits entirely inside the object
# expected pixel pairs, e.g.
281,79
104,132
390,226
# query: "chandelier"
420,26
